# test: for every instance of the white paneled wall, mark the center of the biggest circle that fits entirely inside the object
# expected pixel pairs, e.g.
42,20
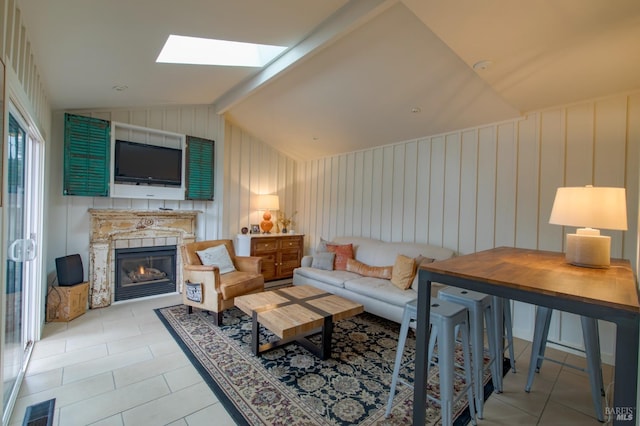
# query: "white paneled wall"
483,187
253,168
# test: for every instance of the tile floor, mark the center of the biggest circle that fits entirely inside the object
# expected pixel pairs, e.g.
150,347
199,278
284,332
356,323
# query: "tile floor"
119,366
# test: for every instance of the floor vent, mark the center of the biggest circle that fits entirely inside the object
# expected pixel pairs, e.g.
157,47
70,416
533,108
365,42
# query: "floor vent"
40,414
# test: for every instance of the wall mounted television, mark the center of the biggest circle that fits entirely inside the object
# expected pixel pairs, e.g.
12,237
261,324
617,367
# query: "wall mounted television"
140,163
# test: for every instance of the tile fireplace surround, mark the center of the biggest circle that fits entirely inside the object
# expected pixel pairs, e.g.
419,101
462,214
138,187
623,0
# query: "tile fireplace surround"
111,229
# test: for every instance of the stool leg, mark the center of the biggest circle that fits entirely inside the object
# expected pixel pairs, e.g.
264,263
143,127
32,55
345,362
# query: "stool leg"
433,336
498,340
468,372
594,364
494,353
541,330
508,325
402,339
476,325
446,345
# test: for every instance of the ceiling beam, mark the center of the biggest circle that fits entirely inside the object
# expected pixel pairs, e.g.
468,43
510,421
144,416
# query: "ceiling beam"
349,17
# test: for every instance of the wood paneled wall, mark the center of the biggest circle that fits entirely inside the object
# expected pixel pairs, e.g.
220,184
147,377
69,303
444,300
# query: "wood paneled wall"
483,187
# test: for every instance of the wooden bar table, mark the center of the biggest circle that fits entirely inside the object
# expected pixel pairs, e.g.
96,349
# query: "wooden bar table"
542,278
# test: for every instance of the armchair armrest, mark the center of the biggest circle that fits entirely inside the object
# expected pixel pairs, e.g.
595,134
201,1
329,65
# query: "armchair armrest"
249,264
207,275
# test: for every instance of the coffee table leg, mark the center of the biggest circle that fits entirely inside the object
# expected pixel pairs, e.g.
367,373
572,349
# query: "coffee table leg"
327,332
255,334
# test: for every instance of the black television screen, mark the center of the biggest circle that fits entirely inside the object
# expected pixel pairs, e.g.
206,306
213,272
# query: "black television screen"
151,164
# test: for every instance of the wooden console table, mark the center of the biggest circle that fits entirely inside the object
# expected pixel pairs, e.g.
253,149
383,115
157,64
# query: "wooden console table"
280,253
542,278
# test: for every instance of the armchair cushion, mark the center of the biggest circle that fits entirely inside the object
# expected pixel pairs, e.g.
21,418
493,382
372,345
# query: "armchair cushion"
218,256
238,283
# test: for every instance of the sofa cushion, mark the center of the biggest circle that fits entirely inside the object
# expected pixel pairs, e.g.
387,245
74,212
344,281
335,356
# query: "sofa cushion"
343,253
404,270
369,271
380,253
335,278
380,289
323,260
217,256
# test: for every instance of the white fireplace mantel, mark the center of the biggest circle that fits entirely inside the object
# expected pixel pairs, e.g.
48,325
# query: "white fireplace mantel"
141,228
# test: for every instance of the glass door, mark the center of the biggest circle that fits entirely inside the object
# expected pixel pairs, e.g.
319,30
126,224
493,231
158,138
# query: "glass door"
21,208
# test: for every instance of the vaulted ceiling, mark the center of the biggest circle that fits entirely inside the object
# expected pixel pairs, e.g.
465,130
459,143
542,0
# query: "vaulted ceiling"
357,74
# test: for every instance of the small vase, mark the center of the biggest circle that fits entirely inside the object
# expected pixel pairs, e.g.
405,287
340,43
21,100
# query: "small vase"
284,230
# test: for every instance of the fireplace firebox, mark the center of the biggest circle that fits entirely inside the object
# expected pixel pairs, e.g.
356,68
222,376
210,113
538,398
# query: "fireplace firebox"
144,271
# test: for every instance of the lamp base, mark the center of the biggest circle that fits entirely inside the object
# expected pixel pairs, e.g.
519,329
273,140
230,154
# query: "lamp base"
588,250
266,223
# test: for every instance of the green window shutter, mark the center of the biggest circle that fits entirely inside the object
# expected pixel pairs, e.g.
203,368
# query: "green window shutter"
200,170
87,143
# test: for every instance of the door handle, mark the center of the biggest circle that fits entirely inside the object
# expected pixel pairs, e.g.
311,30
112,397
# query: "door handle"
22,250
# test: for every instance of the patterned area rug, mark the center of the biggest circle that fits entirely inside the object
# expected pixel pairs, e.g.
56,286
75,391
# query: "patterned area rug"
289,386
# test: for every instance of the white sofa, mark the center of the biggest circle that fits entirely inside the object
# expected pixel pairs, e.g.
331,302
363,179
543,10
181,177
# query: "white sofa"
378,296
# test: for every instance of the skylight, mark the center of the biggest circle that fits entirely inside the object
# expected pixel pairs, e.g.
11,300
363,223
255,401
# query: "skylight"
204,51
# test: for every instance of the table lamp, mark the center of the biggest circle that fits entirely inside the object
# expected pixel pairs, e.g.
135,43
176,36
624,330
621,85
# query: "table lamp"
267,203
590,209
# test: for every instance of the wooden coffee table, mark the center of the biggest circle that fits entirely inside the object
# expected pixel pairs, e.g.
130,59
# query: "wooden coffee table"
293,314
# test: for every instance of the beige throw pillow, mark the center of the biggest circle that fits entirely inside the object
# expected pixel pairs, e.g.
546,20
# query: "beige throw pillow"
218,256
404,270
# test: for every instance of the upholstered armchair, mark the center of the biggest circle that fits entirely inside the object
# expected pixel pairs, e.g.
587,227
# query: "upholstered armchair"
213,276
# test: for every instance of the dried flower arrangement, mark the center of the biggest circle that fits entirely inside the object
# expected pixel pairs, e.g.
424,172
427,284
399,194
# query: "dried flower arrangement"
285,221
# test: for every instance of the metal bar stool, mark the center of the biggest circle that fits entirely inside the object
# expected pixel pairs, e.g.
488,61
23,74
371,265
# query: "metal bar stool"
592,352
446,319
479,305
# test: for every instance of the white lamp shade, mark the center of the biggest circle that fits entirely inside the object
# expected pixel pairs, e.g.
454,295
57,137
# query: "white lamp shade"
590,207
268,202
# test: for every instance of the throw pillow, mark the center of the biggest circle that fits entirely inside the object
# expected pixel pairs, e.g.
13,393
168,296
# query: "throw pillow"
218,256
323,261
343,252
420,259
369,271
322,246
403,272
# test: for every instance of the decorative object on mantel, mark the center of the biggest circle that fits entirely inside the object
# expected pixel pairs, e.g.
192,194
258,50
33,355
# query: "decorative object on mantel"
244,230
286,221
587,208
267,203
255,228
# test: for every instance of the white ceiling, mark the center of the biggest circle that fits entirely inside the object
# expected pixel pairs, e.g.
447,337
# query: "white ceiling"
355,70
